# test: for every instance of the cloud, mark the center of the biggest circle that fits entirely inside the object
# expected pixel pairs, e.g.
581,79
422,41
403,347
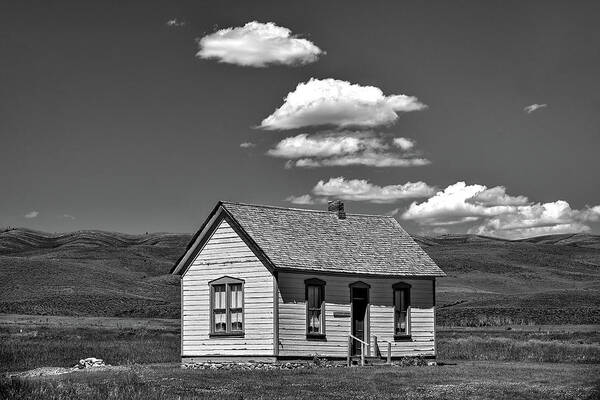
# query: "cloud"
497,196
258,44
461,203
533,107
404,143
32,214
492,212
347,148
175,23
325,145
67,216
362,190
247,145
303,199
393,212
534,220
338,103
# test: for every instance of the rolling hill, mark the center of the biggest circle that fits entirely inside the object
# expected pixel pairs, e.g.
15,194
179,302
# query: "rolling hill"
89,273
549,279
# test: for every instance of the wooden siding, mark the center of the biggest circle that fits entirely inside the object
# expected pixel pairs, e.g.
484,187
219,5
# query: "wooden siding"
226,254
292,316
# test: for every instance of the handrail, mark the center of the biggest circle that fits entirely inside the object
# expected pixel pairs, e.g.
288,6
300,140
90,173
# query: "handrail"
355,338
364,346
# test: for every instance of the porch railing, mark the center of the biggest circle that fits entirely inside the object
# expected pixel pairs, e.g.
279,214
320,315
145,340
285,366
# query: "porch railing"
365,347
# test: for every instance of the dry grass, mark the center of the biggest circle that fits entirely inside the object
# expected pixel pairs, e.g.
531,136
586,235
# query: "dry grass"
557,344
468,380
23,349
508,349
24,346
562,373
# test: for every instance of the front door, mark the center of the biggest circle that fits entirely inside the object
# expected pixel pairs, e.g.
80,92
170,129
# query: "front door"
360,302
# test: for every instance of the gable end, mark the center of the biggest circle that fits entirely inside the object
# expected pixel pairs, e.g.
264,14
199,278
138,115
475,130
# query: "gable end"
206,231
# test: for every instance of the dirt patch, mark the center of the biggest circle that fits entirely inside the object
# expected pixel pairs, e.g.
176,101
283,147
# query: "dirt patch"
44,371
53,371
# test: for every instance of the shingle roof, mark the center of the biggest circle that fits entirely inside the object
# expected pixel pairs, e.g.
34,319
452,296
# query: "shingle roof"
318,241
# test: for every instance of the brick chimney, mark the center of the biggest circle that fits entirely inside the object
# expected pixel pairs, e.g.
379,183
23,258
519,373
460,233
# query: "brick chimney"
338,207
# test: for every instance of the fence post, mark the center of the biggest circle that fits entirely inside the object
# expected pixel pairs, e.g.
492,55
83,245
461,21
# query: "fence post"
389,353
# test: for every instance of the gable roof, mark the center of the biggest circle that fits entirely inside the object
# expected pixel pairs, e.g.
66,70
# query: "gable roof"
318,241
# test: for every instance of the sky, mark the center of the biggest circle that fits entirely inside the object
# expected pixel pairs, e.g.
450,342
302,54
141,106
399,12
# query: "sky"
455,117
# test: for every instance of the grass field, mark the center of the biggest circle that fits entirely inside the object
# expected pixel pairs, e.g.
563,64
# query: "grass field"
28,342
465,380
555,344
62,347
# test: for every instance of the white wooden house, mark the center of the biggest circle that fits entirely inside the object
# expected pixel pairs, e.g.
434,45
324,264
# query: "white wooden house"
267,283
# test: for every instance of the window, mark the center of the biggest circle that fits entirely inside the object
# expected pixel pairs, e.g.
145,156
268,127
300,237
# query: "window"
227,307
401,310
315,308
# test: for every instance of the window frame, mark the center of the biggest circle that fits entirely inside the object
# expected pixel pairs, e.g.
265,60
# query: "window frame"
227,281
321,285
404,287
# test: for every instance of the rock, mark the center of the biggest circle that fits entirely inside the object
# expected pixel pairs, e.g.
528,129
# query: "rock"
90,362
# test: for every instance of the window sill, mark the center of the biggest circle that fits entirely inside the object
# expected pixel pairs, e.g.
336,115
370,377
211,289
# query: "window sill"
227,334
316,337
402,338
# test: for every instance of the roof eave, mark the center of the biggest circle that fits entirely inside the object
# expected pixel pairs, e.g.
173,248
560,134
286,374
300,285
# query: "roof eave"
358,273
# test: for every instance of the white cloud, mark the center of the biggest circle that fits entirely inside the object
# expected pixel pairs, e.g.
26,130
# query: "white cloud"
67,216
338,103
496,213
404,143
393,212
534,220
175,22
362,190
325,145
258,44
347,148
32,214
303,199
247,145
458,201
533,107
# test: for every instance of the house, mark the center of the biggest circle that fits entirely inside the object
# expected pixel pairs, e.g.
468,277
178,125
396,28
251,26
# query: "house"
269,283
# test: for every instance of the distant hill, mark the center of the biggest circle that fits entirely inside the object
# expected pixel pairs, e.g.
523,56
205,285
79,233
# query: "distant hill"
89,273
548,279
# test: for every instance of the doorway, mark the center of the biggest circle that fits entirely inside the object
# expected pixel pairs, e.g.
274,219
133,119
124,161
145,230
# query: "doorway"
359,295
